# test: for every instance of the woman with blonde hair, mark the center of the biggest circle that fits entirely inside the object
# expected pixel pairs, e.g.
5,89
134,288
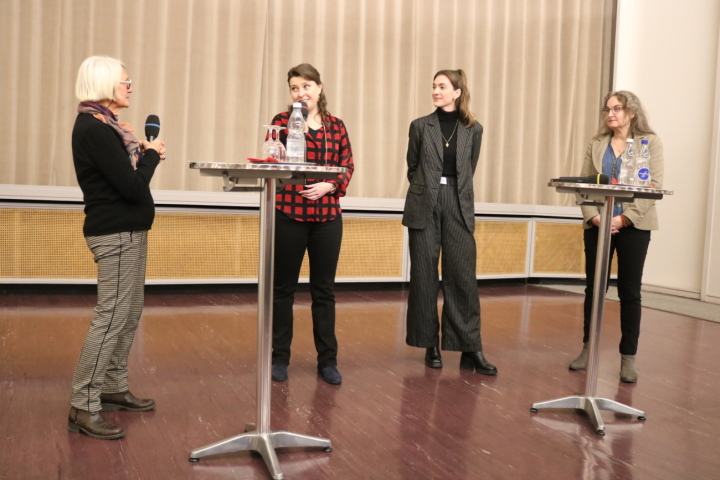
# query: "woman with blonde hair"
622,118
114,170
443,151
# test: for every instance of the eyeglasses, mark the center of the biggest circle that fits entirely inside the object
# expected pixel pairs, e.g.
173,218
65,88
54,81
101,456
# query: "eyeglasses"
615,110
128,83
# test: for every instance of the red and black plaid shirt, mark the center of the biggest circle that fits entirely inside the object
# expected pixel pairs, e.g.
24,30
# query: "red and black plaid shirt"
328,147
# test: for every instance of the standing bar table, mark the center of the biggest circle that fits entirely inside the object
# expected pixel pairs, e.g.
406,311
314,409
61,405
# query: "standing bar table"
605,196
262,177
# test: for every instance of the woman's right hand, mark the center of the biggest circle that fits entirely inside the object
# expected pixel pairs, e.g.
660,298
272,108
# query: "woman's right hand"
157,145
596,220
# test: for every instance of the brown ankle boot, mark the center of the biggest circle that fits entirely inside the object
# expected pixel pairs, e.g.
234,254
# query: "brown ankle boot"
112,402
93,425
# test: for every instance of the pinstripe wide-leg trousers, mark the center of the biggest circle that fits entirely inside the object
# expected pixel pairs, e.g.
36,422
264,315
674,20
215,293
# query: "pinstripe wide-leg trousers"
102,367
445,231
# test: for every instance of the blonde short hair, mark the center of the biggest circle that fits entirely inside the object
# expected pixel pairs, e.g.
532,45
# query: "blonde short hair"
97,78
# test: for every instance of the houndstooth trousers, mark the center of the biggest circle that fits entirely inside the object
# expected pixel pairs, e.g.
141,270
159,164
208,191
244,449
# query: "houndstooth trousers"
102,367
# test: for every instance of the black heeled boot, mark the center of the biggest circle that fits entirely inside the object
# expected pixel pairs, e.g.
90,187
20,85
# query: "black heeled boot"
476,361
433,358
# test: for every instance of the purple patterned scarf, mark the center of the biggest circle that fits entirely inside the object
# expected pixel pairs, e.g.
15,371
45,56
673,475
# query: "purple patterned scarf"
106,116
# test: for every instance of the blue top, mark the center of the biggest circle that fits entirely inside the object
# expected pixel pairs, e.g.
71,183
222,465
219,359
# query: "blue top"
609,159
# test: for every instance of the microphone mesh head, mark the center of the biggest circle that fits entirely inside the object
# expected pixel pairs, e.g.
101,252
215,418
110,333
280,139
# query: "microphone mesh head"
152,126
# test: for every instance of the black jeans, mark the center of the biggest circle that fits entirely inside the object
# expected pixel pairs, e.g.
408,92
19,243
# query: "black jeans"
322,241
631,245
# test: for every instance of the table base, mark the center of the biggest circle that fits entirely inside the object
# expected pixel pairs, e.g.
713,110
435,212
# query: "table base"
263,443
592,406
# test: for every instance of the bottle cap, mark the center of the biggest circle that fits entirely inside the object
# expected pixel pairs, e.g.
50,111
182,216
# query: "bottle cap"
297,105
630,140
644,141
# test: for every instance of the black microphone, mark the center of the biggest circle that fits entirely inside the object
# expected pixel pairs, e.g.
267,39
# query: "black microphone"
304,110
152,127
596,179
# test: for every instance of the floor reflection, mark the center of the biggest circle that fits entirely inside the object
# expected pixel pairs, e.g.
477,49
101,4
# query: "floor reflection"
600,454
429,417
392,418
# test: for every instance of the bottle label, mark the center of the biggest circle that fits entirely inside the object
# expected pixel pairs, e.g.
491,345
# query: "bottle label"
644,174
295,149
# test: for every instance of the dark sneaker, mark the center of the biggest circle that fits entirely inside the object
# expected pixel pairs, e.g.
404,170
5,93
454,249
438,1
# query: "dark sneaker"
279,372
330,375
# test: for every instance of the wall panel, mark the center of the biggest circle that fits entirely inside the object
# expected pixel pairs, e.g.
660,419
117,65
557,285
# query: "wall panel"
44,244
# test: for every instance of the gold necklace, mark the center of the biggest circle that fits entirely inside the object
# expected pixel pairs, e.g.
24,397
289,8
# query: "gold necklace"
618,143
447,140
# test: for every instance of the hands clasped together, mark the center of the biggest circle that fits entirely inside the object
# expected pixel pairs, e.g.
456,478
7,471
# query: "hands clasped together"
317,190
615,225
157,145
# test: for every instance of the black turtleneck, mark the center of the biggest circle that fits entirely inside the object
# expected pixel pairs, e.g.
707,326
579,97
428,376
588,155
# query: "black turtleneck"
449,125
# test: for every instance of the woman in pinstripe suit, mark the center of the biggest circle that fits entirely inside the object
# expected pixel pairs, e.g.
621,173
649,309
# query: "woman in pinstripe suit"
443,151
113,170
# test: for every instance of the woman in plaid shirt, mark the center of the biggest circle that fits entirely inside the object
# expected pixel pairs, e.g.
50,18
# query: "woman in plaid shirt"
309,219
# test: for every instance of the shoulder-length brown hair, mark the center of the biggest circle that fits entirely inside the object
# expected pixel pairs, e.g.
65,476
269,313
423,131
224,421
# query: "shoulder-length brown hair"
462,103
631,103
308,72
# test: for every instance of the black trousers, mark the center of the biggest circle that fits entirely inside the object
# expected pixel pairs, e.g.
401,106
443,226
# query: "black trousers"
322,241
631,245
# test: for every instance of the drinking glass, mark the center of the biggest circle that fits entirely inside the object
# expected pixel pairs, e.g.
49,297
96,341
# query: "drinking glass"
282,154
269,148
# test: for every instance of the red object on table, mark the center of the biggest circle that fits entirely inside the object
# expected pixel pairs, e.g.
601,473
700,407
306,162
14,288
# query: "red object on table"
259,160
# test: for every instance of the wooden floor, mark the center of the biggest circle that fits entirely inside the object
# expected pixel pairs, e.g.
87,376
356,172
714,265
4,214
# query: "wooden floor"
392,418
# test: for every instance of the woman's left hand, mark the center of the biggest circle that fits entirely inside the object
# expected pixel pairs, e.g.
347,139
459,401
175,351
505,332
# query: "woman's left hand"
314,192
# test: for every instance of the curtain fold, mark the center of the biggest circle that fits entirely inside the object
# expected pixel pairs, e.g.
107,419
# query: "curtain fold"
214,71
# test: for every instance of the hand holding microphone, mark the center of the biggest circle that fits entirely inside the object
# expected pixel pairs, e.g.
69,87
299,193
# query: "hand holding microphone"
152,130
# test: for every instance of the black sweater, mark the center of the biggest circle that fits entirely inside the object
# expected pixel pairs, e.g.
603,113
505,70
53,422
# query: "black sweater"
449,123
117,197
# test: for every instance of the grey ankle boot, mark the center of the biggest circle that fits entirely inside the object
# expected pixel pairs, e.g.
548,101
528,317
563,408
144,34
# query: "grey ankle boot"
628,371
580,363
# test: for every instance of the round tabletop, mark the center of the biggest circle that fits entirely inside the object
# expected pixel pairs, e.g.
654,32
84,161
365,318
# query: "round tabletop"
269,167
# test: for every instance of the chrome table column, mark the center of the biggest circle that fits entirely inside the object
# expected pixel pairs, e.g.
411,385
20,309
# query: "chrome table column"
263,177
605,196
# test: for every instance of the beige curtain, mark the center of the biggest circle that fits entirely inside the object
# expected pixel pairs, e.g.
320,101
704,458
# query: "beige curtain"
215,70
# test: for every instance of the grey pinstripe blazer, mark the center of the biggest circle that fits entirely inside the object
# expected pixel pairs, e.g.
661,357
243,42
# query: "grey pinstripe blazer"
425,161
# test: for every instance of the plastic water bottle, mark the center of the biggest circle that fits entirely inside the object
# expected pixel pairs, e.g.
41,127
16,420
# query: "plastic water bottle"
643,165
296,136
631,162
622,174
627,165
